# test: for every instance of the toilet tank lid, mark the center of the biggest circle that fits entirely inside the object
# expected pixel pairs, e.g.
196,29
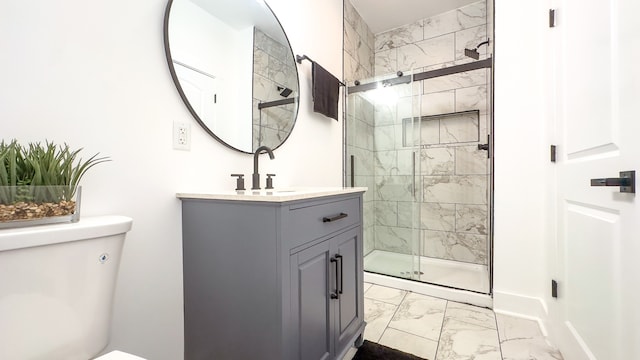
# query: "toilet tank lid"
86,228
118,355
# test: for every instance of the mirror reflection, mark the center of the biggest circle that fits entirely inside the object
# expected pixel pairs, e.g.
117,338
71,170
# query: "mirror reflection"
234,69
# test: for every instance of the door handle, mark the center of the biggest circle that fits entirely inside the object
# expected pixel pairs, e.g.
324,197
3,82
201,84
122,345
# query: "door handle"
485,146
626,182
334,294
340,288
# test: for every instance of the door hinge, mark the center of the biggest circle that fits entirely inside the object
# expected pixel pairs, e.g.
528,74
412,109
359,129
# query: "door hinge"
553,151
552,18
554,289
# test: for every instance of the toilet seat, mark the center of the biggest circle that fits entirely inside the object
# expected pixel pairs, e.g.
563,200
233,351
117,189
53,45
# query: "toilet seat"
118,355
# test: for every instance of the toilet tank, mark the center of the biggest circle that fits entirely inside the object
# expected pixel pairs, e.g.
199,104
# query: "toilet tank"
56,288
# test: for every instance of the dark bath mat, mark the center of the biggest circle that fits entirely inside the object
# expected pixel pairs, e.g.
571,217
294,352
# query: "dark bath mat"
373,351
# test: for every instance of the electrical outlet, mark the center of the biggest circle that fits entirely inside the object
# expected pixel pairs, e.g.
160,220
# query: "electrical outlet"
181,136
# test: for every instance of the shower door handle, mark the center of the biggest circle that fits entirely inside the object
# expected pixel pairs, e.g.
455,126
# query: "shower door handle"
486,146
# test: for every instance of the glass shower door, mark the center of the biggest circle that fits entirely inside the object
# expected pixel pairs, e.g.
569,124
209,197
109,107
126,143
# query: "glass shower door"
383,155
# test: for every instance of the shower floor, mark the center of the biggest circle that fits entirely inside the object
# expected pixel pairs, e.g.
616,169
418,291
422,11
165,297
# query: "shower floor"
454,274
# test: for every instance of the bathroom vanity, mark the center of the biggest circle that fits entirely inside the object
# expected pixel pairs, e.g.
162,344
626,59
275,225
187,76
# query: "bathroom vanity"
273,275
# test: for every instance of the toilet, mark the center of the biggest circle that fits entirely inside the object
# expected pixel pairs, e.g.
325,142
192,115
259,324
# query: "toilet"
56,289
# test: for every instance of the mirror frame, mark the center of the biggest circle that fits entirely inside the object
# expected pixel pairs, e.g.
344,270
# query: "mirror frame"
195,115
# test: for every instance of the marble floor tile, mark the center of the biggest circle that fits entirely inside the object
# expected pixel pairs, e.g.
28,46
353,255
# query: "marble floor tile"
366,286
511,327
385,294
471,314
528,349
420,315
409,343
461,341
377,315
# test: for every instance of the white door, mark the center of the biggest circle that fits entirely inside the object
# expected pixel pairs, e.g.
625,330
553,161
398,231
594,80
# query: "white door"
597,312
200,89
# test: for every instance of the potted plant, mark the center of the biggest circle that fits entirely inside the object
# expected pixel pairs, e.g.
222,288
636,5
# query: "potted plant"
39,184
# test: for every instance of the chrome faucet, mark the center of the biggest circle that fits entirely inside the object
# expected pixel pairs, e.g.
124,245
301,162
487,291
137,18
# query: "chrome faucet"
256,175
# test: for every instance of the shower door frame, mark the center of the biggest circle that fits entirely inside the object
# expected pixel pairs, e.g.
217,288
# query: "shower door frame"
487,63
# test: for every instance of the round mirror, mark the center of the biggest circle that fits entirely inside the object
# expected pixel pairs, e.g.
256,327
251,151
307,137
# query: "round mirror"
234,69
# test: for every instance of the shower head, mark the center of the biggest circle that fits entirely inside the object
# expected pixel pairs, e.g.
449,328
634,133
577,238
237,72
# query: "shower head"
284,92
472,53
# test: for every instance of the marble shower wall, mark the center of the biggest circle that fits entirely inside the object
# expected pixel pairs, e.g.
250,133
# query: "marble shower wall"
358,65
452,184
273,67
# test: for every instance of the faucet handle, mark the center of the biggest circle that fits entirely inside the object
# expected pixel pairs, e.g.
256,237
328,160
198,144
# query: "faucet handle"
239,181
270,181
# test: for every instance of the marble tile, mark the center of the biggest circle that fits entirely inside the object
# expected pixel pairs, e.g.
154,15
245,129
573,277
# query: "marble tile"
351,16
521,339
377,315
384,114
386,213
429,132
394,188
394,239
471,219
368,182
364,110
469,248
386,162
368,242
527,349
404,35
363,135
385,294
407,212
511,327
363,159
405,162
459,128
408,107
435,216
471,161
264,89
437,161
350,68
454,81
462,18
472,98
471,314
366,286
364,53
467,189
350,39
260,62
426,52
437,103
470,38
386,62
460,340
271,46
420,315
409,343
384,138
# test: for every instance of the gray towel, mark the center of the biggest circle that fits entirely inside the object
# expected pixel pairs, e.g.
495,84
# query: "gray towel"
326,92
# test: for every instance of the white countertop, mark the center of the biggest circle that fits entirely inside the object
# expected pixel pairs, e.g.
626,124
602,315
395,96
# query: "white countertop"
275,195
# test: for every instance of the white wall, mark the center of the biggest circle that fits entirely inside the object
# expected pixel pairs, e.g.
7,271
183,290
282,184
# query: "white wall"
94,75
523,213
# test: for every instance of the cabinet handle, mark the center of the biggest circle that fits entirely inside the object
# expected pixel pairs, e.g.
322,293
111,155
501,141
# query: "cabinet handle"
334,218
334,294
339,257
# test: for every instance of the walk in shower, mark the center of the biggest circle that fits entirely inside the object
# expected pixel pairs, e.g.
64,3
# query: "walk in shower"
418,135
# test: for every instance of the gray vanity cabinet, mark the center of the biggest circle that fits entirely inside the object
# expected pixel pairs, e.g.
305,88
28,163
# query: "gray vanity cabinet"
272,280
325,280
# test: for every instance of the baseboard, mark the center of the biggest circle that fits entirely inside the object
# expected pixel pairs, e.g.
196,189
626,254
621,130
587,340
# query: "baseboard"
526,307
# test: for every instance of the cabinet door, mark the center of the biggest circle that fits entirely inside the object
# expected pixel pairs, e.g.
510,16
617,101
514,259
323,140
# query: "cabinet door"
311,272
347,248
